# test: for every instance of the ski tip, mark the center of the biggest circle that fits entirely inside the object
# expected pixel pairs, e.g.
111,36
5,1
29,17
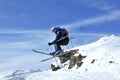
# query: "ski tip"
34,50
43,60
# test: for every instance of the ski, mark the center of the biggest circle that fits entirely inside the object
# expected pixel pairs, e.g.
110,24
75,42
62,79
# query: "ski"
41,52
53,57
47,59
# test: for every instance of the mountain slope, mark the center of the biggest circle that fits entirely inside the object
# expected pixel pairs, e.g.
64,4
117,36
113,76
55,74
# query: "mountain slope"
102,63
104,52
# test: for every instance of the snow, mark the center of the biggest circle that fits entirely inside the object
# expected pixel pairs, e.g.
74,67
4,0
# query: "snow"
102,63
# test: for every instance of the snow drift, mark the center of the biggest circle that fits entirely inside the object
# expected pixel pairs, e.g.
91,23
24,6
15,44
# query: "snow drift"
102,63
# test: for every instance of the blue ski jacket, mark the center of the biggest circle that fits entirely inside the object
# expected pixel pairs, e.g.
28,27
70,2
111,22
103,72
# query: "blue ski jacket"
60,35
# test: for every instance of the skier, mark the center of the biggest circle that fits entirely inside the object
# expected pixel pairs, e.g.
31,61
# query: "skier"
61,39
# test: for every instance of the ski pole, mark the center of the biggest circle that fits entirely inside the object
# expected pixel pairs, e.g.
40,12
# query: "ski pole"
49,48
71,41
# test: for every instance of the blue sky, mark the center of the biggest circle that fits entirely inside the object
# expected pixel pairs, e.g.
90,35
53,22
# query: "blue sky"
25,24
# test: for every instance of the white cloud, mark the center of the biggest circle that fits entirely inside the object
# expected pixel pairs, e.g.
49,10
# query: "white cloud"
88,34
113,15
19,62
25,39
16,45
103,5
17,31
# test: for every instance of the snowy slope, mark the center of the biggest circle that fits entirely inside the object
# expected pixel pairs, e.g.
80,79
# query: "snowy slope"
17,75
102,63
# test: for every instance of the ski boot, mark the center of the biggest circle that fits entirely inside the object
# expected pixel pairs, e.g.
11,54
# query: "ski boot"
56,53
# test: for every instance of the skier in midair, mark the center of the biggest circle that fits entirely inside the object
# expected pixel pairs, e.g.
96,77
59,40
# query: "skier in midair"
61,39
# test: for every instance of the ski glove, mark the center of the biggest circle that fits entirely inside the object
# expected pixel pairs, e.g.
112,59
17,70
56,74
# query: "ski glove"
50,43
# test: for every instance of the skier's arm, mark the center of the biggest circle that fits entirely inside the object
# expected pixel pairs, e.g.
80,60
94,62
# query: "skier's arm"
58,36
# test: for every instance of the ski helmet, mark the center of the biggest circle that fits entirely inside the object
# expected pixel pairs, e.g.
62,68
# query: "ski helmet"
53,28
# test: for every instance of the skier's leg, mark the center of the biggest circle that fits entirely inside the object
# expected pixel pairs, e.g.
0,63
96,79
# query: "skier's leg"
64,41
57,47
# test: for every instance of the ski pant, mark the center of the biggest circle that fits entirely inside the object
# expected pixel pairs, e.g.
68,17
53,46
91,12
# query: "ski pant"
58,44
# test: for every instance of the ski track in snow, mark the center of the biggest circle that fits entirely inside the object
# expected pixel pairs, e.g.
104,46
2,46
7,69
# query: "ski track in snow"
106,66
